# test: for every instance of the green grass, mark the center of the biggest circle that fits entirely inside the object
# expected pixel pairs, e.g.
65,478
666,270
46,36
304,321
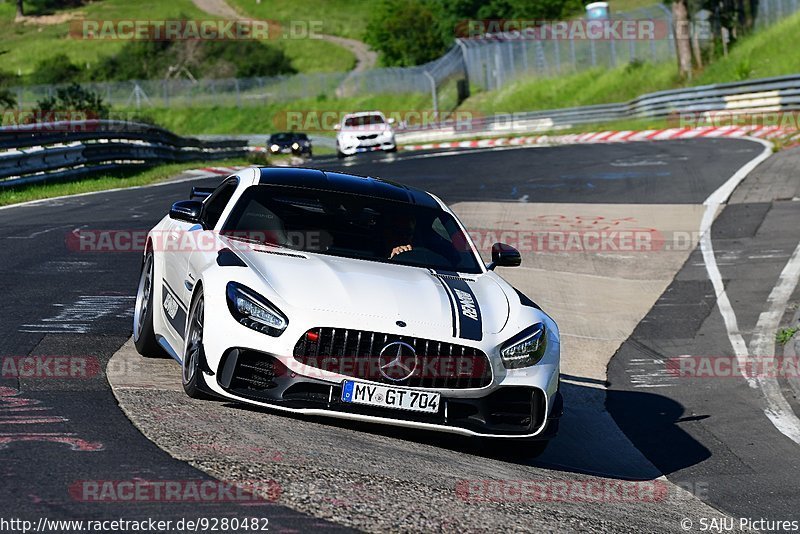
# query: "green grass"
619,6
345,18
785,335
760,55
316,55
128,178
231,120
23,45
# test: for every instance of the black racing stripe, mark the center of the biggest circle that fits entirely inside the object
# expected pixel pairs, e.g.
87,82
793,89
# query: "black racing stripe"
174,294
179,321
525,301
449,298
469,312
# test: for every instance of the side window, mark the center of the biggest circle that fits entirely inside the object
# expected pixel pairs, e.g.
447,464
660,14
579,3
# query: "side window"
439,228
216,203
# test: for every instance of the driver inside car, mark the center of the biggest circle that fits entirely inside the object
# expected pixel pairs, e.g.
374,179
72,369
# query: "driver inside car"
398,234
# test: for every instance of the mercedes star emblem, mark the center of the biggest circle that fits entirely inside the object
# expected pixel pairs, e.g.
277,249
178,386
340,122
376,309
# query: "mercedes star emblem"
397,361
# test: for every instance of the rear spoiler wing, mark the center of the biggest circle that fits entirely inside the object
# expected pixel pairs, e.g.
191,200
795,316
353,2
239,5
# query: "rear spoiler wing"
201,192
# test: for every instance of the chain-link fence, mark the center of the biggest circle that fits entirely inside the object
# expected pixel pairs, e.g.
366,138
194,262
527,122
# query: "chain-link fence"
492,62
487,62
772,11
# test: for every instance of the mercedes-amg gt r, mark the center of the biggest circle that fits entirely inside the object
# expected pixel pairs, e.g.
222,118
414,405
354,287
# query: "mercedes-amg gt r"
352,297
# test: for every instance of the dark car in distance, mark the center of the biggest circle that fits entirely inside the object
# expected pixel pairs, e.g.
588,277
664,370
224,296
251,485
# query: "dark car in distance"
289,143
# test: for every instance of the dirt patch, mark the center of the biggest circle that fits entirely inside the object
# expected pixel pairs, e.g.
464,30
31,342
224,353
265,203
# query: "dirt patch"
50,20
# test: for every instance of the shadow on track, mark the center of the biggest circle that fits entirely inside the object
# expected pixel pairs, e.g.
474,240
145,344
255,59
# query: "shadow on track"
589,440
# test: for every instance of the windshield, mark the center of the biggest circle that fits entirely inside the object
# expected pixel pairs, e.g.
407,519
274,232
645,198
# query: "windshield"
351,226
363,120
281,137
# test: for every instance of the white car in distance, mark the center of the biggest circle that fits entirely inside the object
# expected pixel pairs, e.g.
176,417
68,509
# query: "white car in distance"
365,131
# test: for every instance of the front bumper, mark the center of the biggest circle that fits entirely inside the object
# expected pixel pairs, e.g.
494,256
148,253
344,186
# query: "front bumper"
350,146
261,379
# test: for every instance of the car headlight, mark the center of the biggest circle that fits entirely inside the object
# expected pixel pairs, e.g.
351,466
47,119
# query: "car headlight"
295,146
254,311
525,349
274,148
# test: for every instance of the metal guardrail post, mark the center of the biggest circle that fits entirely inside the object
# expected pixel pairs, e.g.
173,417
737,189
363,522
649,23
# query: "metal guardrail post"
433,94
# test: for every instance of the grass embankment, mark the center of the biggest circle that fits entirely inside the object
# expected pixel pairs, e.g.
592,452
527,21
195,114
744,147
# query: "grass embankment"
123,178
46,33
760,55
273,117
345,18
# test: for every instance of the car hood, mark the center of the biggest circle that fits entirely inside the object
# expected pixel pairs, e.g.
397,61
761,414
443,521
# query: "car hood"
471,305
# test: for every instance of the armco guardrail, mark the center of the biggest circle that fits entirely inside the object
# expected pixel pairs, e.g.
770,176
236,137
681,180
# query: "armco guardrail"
65,150
751,96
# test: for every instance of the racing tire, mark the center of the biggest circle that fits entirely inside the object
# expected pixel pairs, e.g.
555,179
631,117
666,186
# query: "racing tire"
193,353
340,155
144,337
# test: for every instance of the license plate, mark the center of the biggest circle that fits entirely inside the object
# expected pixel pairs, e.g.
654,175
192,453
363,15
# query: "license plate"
390,397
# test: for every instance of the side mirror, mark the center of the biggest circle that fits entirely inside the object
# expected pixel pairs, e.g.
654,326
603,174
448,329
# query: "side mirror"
391,120
187,211
201,192
337,126
504,256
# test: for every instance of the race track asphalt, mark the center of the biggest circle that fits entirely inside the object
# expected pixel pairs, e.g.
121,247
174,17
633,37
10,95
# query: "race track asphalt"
66,303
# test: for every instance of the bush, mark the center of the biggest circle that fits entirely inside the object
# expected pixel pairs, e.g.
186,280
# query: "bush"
7,99
140,60
137,60
248,58
74,99
54,70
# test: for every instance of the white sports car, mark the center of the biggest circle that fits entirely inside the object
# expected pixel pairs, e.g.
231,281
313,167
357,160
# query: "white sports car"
329,294
365,131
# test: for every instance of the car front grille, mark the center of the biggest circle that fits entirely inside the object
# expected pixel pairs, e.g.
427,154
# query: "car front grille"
362,354
370,136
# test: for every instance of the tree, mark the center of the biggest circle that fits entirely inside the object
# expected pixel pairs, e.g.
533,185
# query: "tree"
20,9
406,32
680,22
